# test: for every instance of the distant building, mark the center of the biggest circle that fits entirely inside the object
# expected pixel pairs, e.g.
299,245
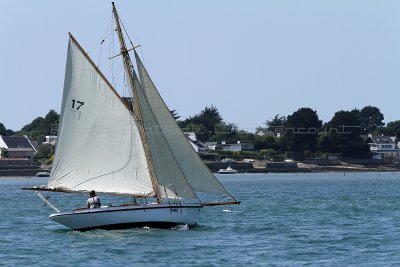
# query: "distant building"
238,147
16,147
51,139
235,147
211,145
383,147
274,132
264,132
196,144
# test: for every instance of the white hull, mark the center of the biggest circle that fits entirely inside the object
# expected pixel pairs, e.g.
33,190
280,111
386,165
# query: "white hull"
227,172
152,215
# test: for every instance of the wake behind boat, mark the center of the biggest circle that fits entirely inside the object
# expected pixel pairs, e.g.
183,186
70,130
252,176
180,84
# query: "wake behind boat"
124,146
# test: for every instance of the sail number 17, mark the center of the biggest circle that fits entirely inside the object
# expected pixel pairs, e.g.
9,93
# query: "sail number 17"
77,104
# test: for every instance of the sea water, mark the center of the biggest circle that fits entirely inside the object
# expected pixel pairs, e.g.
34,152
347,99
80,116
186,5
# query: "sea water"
329,219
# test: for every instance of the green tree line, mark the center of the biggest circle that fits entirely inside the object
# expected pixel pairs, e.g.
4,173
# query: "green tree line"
301,133
37,131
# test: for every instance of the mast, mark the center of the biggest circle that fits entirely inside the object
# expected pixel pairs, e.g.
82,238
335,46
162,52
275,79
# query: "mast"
137,113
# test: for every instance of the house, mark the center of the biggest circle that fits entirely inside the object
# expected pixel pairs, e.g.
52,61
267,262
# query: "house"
50,139
196,144
230,147
16,147
211,145
237,146
275,132
264,132
383,147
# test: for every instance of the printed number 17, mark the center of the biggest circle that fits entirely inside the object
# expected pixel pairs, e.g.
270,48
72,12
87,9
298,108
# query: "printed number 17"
79,104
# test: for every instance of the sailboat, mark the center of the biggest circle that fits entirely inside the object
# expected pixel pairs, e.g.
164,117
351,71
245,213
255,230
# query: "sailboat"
120,146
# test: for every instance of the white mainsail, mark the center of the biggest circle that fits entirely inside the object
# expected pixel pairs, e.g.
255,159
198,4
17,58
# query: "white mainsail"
99,146
192,167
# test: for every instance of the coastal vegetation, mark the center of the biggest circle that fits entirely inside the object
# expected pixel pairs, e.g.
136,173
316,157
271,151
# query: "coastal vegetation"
37,130
40,127
4,131
298,135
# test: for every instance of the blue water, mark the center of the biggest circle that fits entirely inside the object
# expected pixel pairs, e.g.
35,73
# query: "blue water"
284,220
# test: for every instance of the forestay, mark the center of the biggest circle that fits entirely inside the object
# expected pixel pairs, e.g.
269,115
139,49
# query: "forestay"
99,145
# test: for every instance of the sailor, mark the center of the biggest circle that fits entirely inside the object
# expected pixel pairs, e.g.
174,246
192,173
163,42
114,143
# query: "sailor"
93,201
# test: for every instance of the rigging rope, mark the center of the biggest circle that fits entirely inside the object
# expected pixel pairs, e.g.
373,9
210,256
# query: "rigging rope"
104,39
130,41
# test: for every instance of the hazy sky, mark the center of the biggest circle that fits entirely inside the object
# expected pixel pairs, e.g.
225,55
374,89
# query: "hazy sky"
251,59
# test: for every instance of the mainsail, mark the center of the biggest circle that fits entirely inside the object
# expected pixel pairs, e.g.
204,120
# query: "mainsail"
99,146
162,127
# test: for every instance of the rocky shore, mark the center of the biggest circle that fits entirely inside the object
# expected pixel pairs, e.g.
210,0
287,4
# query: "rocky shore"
20,167
312,166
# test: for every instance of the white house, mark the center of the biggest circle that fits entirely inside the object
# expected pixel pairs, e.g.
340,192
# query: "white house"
237,146
383,147
196,144
211,145
16,147
50,139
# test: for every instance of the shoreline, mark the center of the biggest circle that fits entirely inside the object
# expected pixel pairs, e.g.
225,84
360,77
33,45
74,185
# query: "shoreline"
259,166
265,171
302,167
327,170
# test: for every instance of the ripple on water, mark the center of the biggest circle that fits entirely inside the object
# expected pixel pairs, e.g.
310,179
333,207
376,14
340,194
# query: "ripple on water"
284,220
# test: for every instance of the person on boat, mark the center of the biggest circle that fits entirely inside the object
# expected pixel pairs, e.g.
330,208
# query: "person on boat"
93,201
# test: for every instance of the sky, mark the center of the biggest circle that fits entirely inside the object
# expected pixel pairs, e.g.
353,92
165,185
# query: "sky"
250,59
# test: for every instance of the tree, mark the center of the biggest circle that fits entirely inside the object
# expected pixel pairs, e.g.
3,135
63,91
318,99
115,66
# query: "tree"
40,127
51,118
225,132
3,153
245,136
9,132
202,133
302,130
391,129
264,142
4,131
371,119
45,152
343,135
345,122
277,121
208,117
272,125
